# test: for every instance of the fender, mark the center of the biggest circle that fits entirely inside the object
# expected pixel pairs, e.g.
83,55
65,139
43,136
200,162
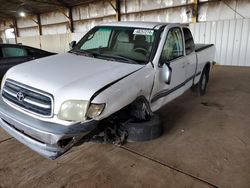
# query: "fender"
110,84
124,91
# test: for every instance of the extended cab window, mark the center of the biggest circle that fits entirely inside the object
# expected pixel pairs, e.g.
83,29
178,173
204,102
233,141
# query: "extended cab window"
189,41
125,44
173,47
13,52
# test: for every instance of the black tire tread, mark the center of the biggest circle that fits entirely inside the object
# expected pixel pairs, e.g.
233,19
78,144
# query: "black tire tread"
144,131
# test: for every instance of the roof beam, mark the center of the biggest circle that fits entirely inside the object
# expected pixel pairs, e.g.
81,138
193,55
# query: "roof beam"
48,3
5,15
63,3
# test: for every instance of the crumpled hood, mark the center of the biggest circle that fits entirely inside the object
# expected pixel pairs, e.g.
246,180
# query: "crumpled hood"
70,76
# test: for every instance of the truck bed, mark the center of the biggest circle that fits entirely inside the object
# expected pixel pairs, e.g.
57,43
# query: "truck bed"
204,54
200,47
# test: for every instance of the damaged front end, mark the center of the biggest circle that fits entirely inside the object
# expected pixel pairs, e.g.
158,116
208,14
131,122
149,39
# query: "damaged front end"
48,139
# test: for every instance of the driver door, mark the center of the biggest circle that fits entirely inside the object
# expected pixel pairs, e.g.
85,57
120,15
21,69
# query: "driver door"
171,65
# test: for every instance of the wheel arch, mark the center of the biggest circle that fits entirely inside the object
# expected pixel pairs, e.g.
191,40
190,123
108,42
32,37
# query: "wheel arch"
207,69
137,108
142,99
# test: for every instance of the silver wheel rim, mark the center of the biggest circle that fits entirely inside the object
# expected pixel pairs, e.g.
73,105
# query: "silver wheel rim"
203,82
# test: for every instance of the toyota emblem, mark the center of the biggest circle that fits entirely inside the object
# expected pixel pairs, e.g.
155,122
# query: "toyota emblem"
20,96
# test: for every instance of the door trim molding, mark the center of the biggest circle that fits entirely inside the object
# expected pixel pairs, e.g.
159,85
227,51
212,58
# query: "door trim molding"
166,92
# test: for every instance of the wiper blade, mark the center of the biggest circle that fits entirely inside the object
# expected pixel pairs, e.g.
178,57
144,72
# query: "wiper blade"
125,58
115,57
82,52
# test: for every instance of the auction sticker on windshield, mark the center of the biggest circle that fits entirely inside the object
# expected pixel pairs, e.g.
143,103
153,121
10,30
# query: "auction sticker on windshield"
143,32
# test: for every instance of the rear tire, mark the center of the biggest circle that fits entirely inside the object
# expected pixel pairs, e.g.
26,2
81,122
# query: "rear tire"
201,87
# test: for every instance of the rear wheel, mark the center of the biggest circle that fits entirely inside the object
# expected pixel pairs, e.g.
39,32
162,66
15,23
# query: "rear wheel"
201,87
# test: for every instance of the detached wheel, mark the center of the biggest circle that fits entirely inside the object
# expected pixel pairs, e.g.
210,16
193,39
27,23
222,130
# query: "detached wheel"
143,131
201,87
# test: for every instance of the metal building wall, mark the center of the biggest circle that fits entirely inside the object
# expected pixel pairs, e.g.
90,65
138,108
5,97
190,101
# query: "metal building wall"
223,10
27,27
231,39
226,25
87,16
159,10
4,25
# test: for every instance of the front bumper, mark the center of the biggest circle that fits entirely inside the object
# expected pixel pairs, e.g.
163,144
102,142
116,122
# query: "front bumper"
46,138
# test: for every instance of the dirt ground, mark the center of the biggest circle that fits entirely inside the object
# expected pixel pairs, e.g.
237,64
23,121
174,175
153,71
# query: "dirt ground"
206,143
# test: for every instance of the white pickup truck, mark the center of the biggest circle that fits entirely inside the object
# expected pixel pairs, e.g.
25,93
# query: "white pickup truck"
50,103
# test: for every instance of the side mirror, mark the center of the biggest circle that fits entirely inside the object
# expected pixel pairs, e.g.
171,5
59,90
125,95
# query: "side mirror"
72,45
165,73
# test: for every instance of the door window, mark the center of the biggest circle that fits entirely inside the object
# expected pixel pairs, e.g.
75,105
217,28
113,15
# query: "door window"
189,41
13,52
173,47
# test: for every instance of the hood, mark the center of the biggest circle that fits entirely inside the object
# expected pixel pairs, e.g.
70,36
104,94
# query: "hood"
70,76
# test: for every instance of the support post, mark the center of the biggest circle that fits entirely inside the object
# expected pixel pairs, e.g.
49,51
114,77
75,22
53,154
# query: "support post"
39,24
71,23
15,29
118,10
195,11
69,16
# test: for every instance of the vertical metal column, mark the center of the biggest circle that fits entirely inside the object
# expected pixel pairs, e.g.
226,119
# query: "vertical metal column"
195,11
15,29
118,10
39,24
71,23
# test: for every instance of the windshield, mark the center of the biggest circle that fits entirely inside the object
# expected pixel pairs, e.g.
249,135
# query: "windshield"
131,45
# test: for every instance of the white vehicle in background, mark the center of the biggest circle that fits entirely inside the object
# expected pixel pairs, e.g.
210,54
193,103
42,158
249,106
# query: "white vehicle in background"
135,67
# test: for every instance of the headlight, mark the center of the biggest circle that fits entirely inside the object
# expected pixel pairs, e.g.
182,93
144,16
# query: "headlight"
95,110
73,110
3,80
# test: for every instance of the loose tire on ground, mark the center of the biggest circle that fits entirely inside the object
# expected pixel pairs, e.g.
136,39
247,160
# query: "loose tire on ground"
143,131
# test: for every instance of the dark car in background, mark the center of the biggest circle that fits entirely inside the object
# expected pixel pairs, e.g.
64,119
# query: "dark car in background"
14,54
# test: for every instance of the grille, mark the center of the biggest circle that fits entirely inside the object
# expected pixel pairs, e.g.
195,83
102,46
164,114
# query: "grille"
28,99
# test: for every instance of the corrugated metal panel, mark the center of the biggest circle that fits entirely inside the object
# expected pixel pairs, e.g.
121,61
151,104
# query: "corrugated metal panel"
148,10
54,17
224,10
25,32
231,39
92,11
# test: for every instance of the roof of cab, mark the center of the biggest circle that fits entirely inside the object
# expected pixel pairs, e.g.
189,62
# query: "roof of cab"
138,24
